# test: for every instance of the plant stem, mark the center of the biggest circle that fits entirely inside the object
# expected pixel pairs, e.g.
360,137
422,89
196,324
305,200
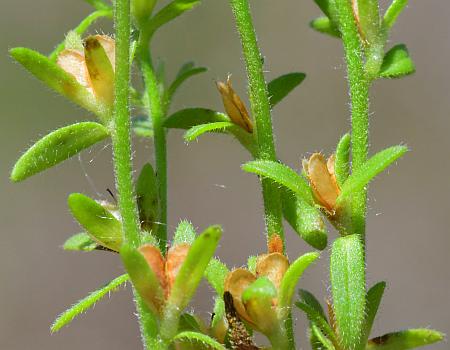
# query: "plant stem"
260,107
359,94
121,135
156,112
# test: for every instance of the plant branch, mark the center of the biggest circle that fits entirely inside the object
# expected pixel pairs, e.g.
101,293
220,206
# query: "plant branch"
260,107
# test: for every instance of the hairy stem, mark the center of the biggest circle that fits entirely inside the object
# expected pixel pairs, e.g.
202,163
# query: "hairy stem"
156,112
359,94
260,108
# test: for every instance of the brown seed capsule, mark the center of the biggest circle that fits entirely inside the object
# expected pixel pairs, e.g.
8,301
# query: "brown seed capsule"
155,261
234,106
175,258
274,266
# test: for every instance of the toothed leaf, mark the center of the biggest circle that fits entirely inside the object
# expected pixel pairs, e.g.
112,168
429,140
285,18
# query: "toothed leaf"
397,63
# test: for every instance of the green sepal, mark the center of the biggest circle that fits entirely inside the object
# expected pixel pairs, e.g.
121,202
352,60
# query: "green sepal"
306,220
56,147
215,274
325,26
404,340
397,63
186,71
282,175
84,304
142,126
189,117
324,342
185,233
144,279
290,280
347,275
371,168
168,13
342,160
373,300
147,198
80,242
201,129
197,337
98,222
280,87
56,78
394,10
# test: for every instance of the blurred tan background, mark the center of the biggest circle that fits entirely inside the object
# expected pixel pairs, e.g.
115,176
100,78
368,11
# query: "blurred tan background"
408,236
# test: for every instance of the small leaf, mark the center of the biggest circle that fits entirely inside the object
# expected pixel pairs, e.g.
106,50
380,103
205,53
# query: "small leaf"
397,63
143,278
201,129
371,168
199,338
404,340
98,4
188,70
325,6
318,319
321,338
84,304
280,87
194,266
325,26
81,241
56,147
141,11
56,78
342,159
347,274
305,219
282,175
390,17
373,300
188,323
187,118
309,299
291,278
147,198
169,13
185,233
142,126
215,274
98,222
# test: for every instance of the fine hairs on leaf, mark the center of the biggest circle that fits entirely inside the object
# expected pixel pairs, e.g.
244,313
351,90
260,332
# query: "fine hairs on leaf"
84,304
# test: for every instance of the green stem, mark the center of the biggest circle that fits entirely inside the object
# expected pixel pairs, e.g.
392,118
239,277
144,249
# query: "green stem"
260,108
359,94
156,112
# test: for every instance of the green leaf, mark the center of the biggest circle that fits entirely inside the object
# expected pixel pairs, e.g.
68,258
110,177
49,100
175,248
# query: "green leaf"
84,304
199,338
56,78
81,241
369,20
324,5
397,63
342,163
305,219
215,274
188,323
309,299
56,147
201,129
373,300
142,126
187,118
291,278
325,26
390,17
187,70
185,233
98,222
194,266
347,274
98,4
169,13
282,175
404,340
280,87
321,338
141,11
143,278
316,318
147,198
371,168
